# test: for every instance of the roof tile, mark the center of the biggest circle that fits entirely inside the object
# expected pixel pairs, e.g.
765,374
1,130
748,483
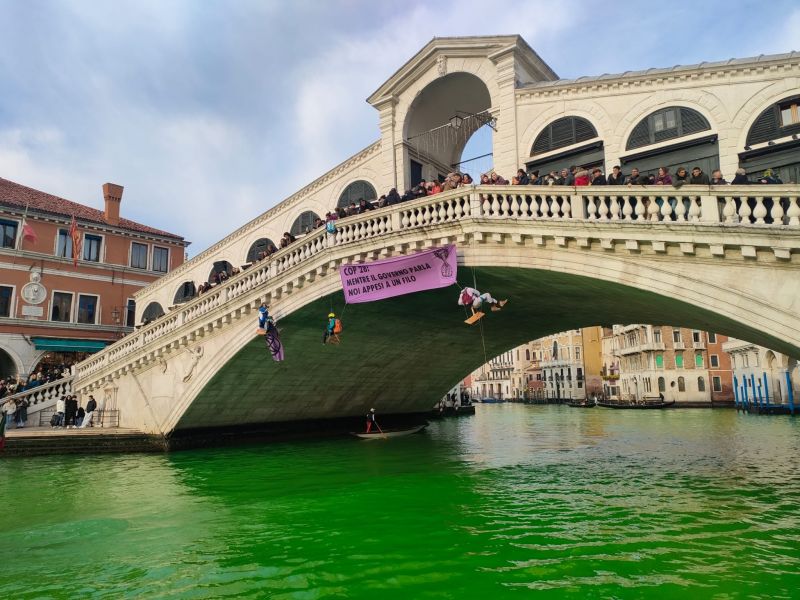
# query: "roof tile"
17,195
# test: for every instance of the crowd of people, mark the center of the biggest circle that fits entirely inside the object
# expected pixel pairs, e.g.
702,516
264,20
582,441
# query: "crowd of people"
15,410
568,176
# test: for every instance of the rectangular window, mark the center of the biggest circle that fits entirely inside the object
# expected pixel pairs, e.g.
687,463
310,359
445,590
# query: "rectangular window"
6,292
8,233
64,244
696,337
577,353
714,361
712,338
138,255
659,361
698,361
87,309
716,384
130,313
160,259
679,361
676,335
62,307
91,247
789,115
657,336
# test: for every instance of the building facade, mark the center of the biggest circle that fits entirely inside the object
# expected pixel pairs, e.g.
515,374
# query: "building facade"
645,361
67,290
761,375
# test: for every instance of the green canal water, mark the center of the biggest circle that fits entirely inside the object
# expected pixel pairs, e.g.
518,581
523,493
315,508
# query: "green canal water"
517,501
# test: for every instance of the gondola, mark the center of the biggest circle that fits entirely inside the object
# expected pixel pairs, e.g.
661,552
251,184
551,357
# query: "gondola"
388,433
644,406
584,404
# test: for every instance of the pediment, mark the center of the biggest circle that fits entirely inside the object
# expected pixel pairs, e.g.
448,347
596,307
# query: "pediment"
529,67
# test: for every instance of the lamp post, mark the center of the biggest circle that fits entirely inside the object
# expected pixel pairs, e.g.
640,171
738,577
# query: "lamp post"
115,316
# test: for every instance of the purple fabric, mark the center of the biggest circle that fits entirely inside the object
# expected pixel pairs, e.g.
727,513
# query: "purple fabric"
381,279
273,340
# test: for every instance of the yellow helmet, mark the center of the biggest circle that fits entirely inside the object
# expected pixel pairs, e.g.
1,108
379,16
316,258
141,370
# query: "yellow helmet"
331,315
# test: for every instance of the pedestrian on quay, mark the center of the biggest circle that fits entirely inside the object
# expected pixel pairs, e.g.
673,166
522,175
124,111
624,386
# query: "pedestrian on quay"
60,408
91,406
70,411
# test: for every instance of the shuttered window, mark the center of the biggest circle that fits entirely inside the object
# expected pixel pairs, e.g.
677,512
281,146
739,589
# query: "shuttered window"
563,132
779,120
666,124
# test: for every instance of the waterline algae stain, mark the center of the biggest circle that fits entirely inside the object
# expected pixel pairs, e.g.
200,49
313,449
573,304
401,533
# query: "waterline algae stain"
516,501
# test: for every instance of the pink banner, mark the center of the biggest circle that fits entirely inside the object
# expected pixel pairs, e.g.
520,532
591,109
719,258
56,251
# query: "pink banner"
383,279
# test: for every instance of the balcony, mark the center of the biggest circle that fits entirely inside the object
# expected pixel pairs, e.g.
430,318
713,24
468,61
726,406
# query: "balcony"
679,345
645,347
699,345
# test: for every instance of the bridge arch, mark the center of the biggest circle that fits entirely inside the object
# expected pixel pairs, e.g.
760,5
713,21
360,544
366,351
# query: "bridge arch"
577,139
262,244
441,117
353,190
185,292
750,111
10,364
152,311
303,223
572,291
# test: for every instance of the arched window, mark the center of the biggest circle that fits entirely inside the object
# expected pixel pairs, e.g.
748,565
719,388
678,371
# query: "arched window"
257,248
303,223
666,124
563,132
220,266
662,385
355,192
701,384
152,312
681,384
780,119
185,292
528,354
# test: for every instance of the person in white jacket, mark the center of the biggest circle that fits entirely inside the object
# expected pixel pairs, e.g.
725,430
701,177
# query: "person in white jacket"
60,412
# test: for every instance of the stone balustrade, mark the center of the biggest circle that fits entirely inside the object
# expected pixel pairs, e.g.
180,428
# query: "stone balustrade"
43,396
758,206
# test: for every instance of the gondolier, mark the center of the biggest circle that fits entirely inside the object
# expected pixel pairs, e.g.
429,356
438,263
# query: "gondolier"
371,422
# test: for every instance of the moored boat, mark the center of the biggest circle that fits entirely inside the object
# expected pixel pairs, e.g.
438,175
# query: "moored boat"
388,433
641,406
584,404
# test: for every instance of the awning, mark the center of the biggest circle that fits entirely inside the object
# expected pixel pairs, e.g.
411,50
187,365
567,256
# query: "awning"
66,345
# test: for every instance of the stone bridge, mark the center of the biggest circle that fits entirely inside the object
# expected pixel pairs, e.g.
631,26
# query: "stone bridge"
718,259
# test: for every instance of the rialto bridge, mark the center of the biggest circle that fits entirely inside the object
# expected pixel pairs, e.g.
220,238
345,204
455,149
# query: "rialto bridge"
715,258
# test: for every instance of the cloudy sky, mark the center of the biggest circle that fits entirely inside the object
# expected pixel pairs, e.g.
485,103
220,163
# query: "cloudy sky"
210,112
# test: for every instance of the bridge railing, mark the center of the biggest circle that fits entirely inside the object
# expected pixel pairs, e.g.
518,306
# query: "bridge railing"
752,206
774,205
43,396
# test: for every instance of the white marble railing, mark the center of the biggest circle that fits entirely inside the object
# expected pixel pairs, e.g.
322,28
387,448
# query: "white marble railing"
744,205
43,396
755,206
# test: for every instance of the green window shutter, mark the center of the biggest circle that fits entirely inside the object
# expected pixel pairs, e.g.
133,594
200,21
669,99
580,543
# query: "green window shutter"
698,360
679,361
659,361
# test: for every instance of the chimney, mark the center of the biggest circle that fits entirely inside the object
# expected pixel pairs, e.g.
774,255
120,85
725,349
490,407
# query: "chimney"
113,196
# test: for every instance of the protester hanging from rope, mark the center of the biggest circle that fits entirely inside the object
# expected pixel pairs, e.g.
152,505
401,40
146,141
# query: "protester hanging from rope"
474,300
332,329
263,318
273,340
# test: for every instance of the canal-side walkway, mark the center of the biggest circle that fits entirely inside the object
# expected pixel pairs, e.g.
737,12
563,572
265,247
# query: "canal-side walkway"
30,441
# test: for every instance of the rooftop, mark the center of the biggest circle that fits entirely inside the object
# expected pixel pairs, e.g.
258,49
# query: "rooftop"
20,196
731,62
